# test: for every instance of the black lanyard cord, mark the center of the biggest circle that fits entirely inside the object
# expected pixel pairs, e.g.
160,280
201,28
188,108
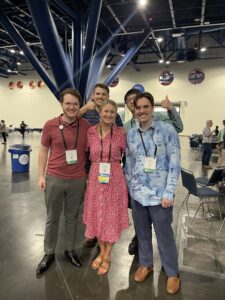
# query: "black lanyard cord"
146,154
76,138
110,146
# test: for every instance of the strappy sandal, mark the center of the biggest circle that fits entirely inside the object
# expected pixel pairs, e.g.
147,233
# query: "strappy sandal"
104,268
96,263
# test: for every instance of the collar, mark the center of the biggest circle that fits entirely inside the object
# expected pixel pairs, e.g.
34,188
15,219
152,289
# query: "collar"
74,123
152,126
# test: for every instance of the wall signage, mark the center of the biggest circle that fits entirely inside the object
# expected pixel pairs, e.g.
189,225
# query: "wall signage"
115,82
12,85
196,76
32,84
166,77
19,84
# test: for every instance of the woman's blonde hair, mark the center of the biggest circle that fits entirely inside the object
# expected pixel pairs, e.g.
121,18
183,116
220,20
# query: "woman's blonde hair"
109,101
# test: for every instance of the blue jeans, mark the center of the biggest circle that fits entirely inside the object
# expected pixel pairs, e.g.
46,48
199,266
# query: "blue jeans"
207,151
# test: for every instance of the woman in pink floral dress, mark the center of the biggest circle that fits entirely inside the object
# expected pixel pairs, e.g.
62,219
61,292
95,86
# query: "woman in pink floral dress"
105,207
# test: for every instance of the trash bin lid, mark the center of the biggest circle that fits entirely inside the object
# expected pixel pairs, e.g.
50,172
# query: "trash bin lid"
20,147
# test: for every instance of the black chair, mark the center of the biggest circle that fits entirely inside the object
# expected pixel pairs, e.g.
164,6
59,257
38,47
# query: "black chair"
203,193
221,227
215,178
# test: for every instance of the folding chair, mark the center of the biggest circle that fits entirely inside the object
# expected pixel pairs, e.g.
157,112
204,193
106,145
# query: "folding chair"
203,193
216,177
221,227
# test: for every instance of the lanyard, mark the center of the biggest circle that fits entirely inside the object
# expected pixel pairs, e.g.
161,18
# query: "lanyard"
132,122
77,132
110,146
146,154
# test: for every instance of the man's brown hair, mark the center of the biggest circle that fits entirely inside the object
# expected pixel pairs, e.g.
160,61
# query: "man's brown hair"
72,92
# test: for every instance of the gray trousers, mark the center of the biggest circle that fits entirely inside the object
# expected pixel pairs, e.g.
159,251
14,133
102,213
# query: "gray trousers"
59,194
161,218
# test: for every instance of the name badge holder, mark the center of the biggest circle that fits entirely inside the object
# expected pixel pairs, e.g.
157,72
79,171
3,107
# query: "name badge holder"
149,161
104,172
71,156
149,164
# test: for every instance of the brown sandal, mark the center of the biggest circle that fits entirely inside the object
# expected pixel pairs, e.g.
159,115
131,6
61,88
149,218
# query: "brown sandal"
104,268
96,263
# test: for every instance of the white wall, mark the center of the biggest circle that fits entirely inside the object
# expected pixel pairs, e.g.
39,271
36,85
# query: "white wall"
204,101
32,106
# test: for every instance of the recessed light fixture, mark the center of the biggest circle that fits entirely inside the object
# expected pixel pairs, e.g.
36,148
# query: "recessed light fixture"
203,49
161,61
108,66
142,3
167,62
12,51
18,63
159,39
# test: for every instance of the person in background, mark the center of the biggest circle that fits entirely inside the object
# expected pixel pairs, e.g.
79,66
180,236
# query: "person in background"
173,118
62,175
221,147
22,128
152,171
216,132
222,132
105,206
207,144
3,132
90,112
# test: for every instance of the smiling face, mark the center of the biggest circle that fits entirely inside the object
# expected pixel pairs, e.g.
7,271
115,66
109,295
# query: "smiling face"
144,110
70,106
99,95
108,114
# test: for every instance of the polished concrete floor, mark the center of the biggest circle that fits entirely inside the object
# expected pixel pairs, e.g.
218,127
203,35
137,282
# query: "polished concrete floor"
22,220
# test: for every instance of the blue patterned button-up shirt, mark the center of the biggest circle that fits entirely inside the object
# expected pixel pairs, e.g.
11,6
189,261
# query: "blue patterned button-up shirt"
149,188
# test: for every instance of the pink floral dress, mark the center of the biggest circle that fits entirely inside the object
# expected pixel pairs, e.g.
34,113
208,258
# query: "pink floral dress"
105,206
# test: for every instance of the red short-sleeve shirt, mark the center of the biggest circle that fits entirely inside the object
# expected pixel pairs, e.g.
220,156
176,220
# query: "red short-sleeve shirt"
52,138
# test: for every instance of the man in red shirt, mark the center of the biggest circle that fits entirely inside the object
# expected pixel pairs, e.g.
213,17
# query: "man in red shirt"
62,175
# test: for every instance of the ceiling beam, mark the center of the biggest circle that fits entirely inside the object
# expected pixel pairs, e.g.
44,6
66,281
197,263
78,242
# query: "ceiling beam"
172,13
116,19
203,12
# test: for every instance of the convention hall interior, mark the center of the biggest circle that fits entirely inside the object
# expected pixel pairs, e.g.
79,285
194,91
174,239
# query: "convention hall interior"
173,48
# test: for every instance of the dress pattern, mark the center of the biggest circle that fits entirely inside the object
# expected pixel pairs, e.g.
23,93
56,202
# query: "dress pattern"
105,206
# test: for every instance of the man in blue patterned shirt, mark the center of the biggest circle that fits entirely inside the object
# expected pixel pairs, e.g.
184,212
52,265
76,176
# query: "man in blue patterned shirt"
152,171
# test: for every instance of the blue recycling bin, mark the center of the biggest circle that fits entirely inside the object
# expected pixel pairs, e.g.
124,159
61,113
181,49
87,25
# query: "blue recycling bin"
20,157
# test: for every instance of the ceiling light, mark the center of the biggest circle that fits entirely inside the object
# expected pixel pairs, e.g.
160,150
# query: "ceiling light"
167,62
108,66
161,61
12,51
21,52
142,3
159,39
177,33
18,63
203,49
9,71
